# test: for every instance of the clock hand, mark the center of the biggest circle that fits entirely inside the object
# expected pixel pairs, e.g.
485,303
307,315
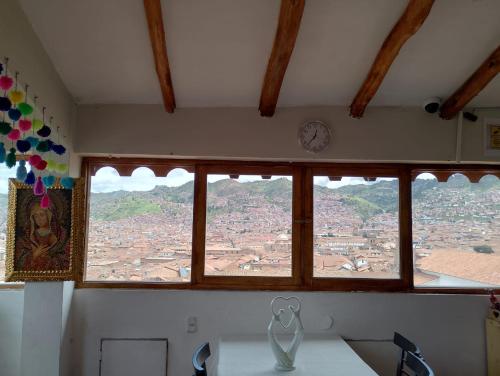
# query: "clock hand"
313,137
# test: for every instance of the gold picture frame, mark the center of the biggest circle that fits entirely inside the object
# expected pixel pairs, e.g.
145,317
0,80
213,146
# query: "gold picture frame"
44,244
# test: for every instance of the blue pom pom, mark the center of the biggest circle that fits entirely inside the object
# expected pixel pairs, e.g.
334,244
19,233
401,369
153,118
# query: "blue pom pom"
67,182
21,172
5,104
23,146
2,152
49,181
33,141
30,178
44,131
59,149
14,114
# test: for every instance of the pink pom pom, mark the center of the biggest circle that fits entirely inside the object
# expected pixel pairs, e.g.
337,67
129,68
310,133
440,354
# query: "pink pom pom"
45,202
35,159
6,82
14,135
41,165
25,125
38,188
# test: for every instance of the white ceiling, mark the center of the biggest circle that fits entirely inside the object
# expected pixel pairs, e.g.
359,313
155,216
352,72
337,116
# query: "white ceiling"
218,50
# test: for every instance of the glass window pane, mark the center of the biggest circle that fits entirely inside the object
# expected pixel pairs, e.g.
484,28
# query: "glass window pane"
249,226
5,174
356,228
456,232
140,226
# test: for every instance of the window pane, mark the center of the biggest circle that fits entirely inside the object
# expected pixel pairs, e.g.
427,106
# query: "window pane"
456,232
356,228
140,226
249,226
5,174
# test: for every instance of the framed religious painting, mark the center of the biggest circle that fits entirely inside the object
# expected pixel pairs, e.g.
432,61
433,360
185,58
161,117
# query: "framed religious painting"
44,240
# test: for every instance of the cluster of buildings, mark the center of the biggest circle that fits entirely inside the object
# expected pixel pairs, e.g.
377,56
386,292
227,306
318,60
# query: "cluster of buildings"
255,238
456,237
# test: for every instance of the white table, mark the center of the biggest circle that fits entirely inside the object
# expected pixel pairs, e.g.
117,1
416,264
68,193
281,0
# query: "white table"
318,355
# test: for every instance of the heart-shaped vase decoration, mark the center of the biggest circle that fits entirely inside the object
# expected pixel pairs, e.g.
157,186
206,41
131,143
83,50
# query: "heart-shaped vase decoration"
279,305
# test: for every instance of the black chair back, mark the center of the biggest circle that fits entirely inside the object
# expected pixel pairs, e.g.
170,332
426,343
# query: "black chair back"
417,365
406,347
405,344
200,355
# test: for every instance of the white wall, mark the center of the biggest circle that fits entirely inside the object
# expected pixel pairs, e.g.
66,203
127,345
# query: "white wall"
384,134
448,328
11,320
42,320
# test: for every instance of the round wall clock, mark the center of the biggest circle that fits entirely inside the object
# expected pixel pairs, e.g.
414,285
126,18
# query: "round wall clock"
314,136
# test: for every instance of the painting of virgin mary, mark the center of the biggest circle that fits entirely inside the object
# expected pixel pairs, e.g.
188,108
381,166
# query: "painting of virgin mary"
41,245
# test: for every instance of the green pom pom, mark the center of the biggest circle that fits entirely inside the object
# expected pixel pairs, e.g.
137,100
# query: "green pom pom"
25,109
10,160
5,128
43,147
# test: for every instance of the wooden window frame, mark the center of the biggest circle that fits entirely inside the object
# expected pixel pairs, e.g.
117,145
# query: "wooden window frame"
200,278
405,271
302,227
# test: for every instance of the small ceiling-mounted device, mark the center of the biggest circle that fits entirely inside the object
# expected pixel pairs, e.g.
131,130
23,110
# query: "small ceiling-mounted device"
431,105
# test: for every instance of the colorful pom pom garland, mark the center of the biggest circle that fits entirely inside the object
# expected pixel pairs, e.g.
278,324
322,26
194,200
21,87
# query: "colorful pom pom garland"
22,131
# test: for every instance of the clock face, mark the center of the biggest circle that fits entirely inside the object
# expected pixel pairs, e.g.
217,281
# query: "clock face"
314,136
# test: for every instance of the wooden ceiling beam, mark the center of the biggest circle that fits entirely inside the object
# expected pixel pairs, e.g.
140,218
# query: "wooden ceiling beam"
284,42
408,24
154,17
472,87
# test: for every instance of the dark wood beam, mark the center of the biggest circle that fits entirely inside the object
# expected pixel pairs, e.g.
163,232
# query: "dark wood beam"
472,87
154,17
284,42
408,24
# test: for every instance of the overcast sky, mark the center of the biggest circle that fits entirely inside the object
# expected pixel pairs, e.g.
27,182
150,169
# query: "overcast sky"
107,179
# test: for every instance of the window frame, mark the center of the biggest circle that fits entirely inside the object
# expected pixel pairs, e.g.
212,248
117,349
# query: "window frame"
201,278
388,284
302,216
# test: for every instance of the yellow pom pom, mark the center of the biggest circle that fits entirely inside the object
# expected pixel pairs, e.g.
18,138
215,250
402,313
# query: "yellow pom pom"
16,96
51,165
36,124
62,168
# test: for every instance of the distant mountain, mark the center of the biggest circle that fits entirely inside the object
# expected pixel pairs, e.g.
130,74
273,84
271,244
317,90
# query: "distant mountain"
366,199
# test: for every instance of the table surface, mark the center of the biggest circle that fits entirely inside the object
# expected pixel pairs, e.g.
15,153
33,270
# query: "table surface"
318,355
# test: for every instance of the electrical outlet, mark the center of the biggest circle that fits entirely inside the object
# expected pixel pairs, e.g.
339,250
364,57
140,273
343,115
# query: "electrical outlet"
192,324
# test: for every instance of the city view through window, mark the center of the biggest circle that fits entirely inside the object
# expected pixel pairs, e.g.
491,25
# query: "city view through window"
356,228
456,232
140,228
249,226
